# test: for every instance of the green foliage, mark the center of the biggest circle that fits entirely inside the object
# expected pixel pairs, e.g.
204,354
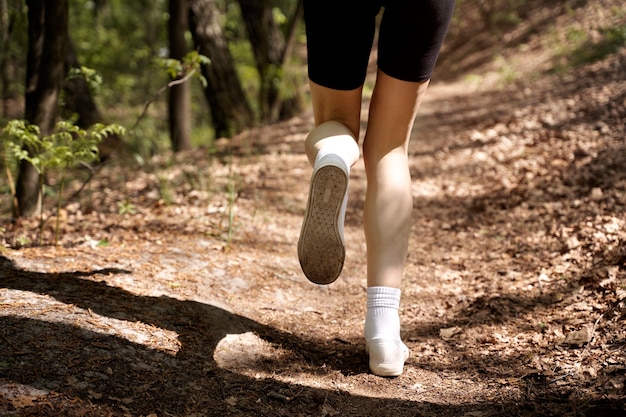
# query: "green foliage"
21,136
121,40
507,72
63,149
13,42
23,240
612,40
495,15
578,48
181,71
126,207
232,196
68,146
91,76
187,67
126,43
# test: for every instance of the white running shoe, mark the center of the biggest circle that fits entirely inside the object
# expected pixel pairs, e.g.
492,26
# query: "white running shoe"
386,357
321,247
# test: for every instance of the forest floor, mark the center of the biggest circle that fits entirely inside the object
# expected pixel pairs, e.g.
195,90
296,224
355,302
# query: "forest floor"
175,288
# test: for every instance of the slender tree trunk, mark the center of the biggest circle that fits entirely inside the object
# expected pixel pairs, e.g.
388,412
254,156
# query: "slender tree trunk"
268,44
230,110
78,98
272,50
293,105
47,37
179,100
4,54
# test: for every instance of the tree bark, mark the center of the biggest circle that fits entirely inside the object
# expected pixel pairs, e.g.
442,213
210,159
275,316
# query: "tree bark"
293,105
230,110
271,50
47,37
179,100
78,98
268,44
4,55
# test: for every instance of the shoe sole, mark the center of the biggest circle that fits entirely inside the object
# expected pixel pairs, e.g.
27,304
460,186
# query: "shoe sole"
321,250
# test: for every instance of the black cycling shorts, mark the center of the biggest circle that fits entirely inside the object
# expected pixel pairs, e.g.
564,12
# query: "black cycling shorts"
340,34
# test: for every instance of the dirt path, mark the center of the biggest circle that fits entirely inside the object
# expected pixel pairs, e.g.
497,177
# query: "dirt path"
192,303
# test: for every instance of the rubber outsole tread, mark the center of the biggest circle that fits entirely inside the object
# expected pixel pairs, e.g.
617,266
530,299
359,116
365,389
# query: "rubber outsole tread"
321,250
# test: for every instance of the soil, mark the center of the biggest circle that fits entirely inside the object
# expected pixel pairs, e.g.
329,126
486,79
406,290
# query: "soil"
174,288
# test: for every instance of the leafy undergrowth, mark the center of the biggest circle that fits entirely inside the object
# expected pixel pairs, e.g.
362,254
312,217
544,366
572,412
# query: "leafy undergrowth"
176,290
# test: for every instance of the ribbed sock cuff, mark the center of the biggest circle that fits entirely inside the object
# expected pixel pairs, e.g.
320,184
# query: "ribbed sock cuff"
382,320
383,297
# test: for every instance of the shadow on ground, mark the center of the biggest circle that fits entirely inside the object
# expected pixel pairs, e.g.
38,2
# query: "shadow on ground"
75,366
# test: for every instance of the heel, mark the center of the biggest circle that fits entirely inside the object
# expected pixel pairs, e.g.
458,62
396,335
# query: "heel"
387,357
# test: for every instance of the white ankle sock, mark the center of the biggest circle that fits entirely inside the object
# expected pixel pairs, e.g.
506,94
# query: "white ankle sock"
386,351
343,146
382,320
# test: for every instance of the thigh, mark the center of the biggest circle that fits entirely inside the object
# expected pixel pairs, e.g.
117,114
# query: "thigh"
411,35
339,40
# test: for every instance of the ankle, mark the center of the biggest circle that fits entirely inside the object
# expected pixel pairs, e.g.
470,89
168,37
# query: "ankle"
382,321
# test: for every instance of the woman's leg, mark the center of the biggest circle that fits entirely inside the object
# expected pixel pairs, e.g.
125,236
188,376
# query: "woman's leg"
388,201
332,149
387,216
337,113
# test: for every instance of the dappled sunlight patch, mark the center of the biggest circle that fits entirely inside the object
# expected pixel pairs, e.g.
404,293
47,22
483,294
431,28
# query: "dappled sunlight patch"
249,355
21,395
245,353
26,304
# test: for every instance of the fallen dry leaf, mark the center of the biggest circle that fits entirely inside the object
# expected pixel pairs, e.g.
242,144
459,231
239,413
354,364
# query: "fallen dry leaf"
450,332
578,338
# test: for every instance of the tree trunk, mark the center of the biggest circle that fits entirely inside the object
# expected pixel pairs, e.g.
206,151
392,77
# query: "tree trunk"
179,100
230,110
293,105
271,52
267,44
47,37
4,55
79,100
